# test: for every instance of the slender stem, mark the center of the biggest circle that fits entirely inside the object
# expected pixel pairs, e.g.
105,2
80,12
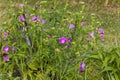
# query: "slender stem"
55,4
86,73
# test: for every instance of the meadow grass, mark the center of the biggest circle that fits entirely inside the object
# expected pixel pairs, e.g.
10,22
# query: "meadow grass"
48,59
109,16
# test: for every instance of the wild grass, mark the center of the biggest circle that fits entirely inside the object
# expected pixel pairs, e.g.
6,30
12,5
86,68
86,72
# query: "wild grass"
39,55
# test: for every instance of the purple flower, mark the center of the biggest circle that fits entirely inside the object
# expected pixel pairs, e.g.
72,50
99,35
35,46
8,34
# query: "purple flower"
5,58
69,39
21,5
5,35
80,70
72,26
102,36
100,31
68,46
34,18
6,49
22,19
83,23
27,15
92,34
82,67
43,21
62,40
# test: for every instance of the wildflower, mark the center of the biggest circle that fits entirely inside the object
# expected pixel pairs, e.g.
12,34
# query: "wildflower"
27,15
82,67
5,35
43,21
5,58
69,39
22,19
6,49
62,40
92,34
102,36
68,46
100,31
34,18
72,26
83,23
21,5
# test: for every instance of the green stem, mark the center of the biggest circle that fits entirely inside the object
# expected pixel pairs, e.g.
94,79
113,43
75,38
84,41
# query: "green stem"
55,4
86,73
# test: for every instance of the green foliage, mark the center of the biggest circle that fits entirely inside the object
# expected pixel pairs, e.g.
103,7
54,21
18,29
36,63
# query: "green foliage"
40,56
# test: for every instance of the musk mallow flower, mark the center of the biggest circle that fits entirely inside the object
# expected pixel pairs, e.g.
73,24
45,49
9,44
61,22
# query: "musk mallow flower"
68,46
102,36
100,31
6,49
72,26
62,40
27,15
22,19
82,67
43,21
5,34
34,18
69,39
83,23
21,5
5,58
92,34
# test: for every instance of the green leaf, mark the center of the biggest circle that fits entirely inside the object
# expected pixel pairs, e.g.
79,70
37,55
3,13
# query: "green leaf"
107,68
116,76
105,62
94,56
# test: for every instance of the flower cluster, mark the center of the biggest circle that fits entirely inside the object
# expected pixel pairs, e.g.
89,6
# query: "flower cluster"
64,40
34,18
82,67
6,49
101,33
